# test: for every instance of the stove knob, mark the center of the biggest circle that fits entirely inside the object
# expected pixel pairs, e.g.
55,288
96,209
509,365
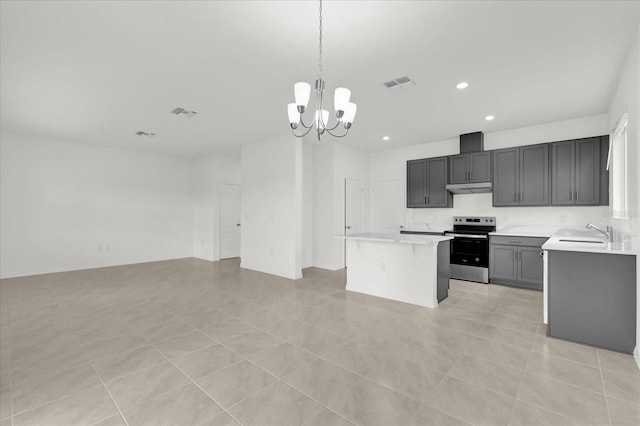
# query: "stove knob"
477,259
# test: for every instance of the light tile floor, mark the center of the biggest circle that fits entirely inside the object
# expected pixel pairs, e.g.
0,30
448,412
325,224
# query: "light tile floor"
189,342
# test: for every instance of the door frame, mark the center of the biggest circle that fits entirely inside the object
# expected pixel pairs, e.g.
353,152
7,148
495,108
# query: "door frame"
220,224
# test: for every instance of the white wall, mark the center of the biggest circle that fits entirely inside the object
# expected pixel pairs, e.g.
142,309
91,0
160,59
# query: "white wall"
271,205
209,173
307,205
627,97
67,206
391,164
334,162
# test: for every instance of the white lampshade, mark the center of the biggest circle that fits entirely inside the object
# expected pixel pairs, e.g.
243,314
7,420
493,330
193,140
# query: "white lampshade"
325,119
302,91
294,115
341,98
349,113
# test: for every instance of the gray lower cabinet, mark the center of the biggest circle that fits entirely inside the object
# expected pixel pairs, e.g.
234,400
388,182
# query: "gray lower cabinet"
592,299
516,261
426,183
521,176
575,172
470,168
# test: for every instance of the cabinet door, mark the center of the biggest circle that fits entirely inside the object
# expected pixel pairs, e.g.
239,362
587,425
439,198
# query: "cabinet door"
604,173
417,183
502,262
587,187
437,194
562,173
534,175
530,268
479,167
506,177
458,169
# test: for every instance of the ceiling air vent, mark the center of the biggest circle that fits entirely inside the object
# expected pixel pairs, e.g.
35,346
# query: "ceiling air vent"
142,133
400,82
183,112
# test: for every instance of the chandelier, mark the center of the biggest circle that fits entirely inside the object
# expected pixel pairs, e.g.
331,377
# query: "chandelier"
345,111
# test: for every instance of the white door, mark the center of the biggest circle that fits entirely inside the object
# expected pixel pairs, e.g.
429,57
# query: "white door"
388,205
353,204
229,221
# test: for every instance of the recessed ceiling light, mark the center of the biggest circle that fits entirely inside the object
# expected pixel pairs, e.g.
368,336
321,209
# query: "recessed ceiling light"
385,138
489,117
462,85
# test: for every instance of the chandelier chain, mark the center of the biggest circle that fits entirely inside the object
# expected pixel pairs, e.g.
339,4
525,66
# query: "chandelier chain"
320,43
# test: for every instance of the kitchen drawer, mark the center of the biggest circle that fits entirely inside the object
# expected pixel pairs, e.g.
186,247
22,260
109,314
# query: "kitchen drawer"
518,241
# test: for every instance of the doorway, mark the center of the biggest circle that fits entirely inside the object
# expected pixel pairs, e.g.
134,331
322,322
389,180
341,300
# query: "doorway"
229,221
353,209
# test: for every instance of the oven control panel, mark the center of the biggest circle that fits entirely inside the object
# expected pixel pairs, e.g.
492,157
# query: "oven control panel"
464,220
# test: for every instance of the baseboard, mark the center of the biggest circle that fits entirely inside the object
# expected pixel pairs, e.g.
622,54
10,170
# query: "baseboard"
636,355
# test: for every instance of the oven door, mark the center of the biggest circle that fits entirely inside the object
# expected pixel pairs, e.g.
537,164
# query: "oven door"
471,250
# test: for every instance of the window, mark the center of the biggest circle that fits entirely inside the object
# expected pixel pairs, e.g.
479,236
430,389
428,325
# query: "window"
617,164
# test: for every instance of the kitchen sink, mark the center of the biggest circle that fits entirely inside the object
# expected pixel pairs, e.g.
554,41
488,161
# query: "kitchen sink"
581,241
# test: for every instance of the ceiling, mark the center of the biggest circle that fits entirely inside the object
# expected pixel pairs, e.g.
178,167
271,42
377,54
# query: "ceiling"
97,72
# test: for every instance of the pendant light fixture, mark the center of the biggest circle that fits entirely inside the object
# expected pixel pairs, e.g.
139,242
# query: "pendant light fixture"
345,111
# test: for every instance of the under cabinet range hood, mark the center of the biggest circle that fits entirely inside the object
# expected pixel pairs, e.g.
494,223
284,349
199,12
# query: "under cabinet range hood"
470,188
466,181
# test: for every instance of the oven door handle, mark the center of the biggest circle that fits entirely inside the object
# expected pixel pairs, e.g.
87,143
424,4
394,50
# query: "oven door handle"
477,237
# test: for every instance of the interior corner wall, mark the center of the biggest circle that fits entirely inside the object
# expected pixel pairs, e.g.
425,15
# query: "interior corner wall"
67,206
323,202
307,205
209,174
627,98
271,206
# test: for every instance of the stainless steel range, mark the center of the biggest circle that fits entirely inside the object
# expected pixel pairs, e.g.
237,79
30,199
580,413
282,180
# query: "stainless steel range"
470,248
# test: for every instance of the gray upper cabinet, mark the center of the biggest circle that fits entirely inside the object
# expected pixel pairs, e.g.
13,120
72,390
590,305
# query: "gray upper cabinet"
534,175
470,168
506,177
417,183
521,176
426,183
604,173
575,172
437,194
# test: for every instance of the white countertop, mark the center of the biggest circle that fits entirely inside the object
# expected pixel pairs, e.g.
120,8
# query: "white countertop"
397,238
525,231
627,246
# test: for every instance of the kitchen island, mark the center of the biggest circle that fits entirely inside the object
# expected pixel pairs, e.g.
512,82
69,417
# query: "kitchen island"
407,268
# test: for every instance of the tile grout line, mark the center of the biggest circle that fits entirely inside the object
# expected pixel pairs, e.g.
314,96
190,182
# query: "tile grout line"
515,398
113,401
604,389
197,385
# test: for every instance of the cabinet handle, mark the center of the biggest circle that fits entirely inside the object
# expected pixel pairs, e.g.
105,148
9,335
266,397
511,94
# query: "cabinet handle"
515,241
425,200
577,197
570,195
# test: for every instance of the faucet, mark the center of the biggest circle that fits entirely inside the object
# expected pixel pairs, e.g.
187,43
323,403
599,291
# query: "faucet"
607,233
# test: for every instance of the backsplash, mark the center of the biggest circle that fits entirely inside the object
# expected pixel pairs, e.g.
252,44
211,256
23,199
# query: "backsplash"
480,205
